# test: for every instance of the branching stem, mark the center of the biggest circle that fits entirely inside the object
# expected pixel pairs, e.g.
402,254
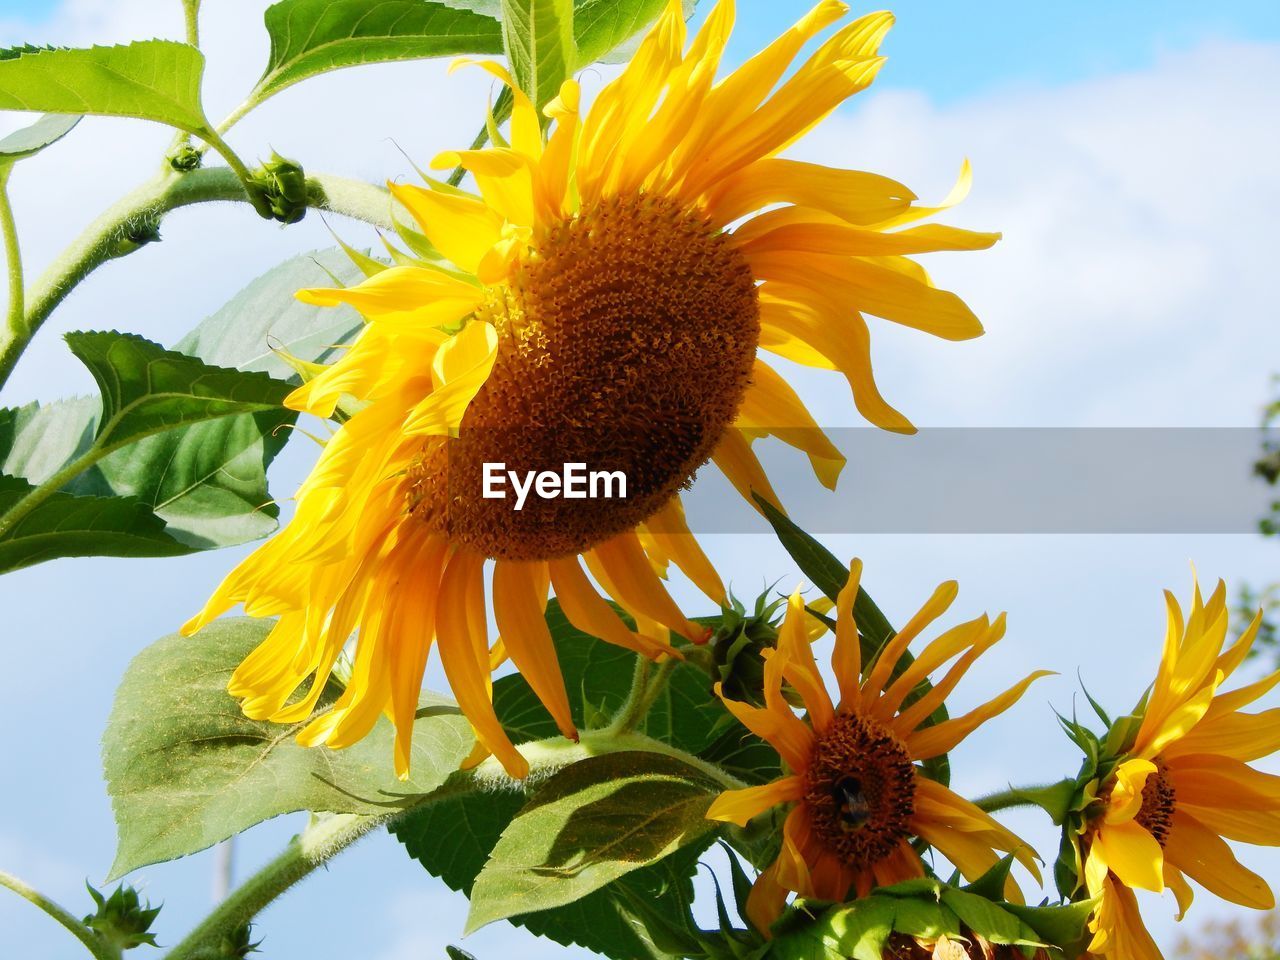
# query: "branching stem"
103,239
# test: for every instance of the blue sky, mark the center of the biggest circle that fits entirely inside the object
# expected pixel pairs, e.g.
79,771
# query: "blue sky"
1119,147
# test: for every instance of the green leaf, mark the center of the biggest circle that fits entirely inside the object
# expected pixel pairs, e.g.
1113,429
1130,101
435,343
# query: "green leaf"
538,38
266,314
30,140
1062,926
452,839
147,389
150,79
602,26
186,769
989,919
70,526
310,37
991,884
744,755
858,930
206,481
591,823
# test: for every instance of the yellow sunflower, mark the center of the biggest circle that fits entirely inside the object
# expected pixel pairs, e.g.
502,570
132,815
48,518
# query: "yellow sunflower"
857,796
600,302
1185,784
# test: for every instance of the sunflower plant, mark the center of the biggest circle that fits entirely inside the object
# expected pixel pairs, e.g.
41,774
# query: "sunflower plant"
606,276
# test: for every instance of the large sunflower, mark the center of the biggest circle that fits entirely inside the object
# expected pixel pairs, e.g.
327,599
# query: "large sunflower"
594,304
857,797
1184,784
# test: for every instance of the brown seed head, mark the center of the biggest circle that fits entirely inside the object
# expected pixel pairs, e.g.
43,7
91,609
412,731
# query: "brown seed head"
626,341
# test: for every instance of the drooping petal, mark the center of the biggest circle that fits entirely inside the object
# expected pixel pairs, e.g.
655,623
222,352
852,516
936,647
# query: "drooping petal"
519,600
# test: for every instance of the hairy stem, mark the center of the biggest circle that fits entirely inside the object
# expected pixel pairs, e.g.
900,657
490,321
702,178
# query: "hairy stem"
191,14
1008,799
305,852
15,318
92,942
647,685
104,239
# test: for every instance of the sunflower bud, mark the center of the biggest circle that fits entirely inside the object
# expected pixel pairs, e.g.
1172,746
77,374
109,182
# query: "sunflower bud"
279,190
737,647
135,235
184,158
237,944
122,919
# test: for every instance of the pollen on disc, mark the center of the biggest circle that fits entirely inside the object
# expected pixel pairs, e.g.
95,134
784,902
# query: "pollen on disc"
626,342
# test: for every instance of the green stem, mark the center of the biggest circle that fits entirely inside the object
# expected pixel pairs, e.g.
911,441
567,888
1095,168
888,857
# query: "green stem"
148,204
92,942
1008,799
646,686
51,486
15,319
191,13
305,852
191,18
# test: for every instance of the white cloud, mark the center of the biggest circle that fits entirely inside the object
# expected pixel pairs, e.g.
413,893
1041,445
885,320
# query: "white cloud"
1131,287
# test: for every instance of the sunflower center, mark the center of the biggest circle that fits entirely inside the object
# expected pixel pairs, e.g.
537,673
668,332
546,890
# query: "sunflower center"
860,790
626,336
1158,803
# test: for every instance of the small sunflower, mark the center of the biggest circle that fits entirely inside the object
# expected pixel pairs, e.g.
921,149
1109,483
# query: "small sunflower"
1184,784
600,302
858,798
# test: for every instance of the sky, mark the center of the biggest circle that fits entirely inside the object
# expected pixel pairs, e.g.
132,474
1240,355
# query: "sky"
1125,150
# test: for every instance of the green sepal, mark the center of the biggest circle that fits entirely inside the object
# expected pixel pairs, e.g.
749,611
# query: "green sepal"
1057,799
122,919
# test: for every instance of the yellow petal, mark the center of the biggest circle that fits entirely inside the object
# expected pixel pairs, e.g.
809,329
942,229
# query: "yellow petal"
1133,854
671,533
846,658
1205,857
800,667
1126,794
739,806
461,228
459,370
934,741
519,598
464,666
853,196
770,404
937,604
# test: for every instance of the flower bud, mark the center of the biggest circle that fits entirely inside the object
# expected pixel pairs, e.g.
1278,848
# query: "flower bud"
237,945
737,646
279,190
122,919
184,158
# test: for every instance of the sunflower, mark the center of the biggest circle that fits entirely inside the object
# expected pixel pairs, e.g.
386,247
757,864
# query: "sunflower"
1184,784
594,304
857,797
